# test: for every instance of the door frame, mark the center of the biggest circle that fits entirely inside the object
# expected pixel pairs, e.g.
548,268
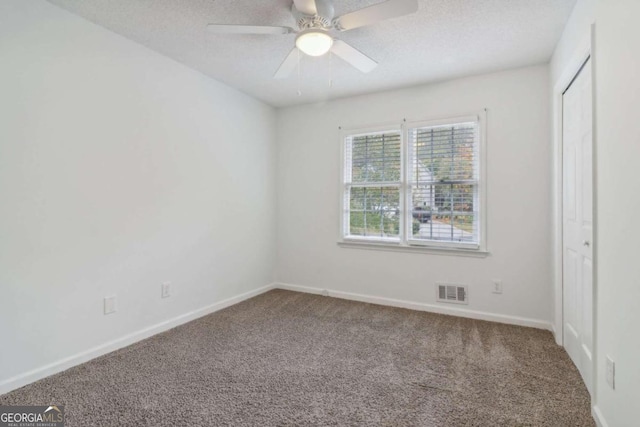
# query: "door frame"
584,52
562,84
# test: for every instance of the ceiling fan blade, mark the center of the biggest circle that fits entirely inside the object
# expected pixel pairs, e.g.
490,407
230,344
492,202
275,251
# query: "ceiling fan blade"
353,56
376,13
288,65
308,7
247,29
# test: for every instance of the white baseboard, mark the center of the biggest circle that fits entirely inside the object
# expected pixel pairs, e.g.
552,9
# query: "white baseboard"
559,334
71,361
556,336
432,308
598,417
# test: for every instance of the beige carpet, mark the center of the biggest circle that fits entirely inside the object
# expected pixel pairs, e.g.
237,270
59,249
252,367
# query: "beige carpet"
292,359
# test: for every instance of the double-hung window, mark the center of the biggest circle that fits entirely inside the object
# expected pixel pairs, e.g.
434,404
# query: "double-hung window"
373,185
416,184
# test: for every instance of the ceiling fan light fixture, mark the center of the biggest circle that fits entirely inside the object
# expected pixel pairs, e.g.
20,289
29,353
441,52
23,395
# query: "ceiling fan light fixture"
314,42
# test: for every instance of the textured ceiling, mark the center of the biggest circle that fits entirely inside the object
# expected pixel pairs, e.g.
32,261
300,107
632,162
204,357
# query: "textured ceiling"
444,39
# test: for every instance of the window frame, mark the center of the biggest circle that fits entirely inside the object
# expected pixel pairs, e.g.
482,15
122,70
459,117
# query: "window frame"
405,243
344,219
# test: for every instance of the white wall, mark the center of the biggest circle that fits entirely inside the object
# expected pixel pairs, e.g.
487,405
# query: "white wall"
617,148
618,192
576,37
119,169
519,197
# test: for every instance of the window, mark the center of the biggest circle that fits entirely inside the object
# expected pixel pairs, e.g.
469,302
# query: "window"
373,183
418,184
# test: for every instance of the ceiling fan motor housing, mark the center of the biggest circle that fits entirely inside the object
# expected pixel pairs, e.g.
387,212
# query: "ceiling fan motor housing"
309,22
323,19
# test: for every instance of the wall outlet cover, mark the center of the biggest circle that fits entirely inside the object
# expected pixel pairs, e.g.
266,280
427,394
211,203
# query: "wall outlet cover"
166,290
110,305
611,373
497,286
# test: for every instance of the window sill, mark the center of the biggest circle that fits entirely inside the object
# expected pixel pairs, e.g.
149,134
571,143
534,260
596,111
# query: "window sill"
396,247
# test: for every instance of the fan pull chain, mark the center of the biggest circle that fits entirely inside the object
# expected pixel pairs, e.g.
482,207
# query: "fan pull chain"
299,78
330,69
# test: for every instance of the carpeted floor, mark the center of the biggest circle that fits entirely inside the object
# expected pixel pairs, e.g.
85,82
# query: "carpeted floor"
291,359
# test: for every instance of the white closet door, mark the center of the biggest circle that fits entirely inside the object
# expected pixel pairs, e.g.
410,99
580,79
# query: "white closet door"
577,221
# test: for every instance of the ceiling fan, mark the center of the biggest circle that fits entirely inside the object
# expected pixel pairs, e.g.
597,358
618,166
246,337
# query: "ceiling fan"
315,20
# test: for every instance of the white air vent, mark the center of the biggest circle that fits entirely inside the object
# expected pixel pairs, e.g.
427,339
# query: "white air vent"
457,294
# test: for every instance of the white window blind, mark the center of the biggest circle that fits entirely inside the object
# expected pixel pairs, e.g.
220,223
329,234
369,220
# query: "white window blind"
373,180
417,185
444,183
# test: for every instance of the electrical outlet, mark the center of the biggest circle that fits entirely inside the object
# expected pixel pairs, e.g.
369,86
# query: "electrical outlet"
110,305
497,286
166,290
611,373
